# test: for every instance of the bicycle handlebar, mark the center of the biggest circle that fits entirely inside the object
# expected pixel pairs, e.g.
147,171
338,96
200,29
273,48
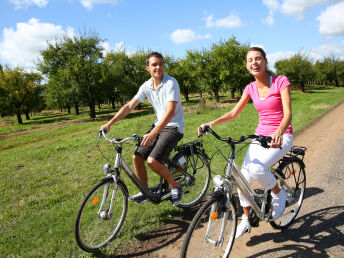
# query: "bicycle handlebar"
102,132
262,139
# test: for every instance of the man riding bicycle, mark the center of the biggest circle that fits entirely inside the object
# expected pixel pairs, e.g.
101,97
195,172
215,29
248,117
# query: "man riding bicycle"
167,130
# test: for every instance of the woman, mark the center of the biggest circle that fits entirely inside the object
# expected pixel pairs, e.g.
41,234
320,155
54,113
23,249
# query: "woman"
271,98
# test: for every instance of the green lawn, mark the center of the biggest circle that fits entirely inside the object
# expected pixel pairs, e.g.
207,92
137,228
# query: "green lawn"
48,167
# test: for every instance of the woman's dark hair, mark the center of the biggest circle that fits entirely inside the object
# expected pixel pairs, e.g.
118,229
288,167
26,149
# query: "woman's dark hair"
256,49
155,54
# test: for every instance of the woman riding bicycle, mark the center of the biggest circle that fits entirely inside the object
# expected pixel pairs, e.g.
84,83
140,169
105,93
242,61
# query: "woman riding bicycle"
271,98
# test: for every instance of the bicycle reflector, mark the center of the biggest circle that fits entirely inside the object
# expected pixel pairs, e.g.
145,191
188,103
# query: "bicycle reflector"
218,181
214,215
95,200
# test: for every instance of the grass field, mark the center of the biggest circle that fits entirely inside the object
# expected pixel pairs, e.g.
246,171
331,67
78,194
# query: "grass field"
48,165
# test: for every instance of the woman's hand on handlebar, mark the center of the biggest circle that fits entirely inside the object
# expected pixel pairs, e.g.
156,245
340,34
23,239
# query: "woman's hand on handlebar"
105,128
276,140
202,126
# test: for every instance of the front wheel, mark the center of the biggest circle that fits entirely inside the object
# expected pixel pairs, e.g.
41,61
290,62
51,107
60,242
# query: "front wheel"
294,183
212,230
101,215
196,182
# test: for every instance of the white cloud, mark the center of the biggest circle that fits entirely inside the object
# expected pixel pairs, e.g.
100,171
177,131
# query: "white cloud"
180,36
89,4
230,21
298,8
332,20
273,6
21,46
27,3
336,50
269,20
274,57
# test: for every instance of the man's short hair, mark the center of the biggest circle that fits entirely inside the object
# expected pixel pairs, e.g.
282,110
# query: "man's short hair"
155,54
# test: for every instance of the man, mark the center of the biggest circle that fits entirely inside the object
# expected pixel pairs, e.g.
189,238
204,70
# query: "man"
163,93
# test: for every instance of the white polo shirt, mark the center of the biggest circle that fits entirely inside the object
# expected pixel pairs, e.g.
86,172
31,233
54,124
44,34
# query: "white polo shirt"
168,90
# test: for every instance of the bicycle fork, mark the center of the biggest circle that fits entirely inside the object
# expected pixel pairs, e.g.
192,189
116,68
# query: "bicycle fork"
106,214
217,210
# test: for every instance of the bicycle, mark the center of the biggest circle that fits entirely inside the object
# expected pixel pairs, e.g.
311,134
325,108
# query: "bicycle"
212,230
103,210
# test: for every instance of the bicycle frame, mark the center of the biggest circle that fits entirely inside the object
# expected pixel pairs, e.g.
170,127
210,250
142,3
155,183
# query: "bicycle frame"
121,163
232,170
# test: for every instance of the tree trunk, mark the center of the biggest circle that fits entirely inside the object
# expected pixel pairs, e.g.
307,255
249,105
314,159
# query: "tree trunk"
186,95
92,110
76,109
99,105
113,103
302,84
232,93
217,97
27,116
68,108
19,118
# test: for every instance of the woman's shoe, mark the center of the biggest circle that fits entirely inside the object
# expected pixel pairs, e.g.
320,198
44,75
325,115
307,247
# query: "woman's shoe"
243,227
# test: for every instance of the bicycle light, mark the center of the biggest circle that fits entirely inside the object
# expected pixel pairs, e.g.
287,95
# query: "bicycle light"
218,181
107,168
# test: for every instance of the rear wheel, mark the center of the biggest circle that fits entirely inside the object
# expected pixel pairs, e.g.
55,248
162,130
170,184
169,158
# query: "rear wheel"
95,224
212,231
294,183
195,184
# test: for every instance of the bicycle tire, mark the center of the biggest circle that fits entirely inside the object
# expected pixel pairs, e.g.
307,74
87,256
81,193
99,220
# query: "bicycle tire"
93,232
196,242
197,166
295,177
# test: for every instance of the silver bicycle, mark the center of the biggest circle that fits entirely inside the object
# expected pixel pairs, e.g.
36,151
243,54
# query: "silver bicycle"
103,211
212,230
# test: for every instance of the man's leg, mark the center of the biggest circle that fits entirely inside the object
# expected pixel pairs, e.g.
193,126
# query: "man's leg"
162,170
140,169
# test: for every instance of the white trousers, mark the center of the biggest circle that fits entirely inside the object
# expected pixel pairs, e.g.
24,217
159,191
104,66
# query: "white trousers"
256,162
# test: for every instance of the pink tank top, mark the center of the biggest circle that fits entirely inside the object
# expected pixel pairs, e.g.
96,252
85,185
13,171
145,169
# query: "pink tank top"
270,108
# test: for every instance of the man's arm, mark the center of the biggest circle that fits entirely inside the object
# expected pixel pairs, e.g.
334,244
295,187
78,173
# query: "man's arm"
123,112
170,111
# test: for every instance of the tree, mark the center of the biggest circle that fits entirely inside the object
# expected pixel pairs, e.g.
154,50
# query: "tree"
230,58
182,71
206,71
20,92
117,78
80,57
298,69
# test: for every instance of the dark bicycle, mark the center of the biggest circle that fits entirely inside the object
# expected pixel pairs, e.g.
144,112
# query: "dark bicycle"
103,211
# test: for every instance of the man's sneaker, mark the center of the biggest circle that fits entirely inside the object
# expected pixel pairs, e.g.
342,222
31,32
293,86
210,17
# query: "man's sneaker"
243,227
139,197
278,203
176,195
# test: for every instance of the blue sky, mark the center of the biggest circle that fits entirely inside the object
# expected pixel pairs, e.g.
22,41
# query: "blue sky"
281,27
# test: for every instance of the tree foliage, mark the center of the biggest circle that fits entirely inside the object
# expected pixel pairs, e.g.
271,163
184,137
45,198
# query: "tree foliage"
20,92
298,69
74,66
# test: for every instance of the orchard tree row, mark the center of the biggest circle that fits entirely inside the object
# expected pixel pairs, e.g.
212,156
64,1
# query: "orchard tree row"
77,73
